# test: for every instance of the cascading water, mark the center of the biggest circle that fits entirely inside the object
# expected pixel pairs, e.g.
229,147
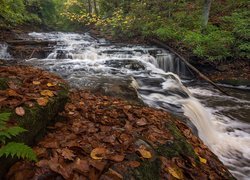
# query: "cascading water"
84,61
4,51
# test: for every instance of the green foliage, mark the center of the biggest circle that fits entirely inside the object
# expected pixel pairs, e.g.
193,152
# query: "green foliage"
19,150
226,36
13,149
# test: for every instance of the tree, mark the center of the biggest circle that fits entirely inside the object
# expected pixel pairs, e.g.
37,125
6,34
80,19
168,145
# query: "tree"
206,11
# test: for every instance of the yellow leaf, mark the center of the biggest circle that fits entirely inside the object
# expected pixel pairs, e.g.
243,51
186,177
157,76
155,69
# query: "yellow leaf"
145,154
36,82
47,93
98,153
175,172
42,101
51,84
202,160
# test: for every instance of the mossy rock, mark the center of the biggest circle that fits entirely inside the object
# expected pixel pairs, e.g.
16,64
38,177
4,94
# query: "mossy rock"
179,146
35,120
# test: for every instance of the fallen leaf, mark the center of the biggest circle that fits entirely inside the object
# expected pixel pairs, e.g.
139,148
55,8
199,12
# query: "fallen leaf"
42,163
67,154
202,160
58,168
81,166
98,153
117,157
42,101
175,172
2,99
51,84
112,174
52,145
134,164
36,82
12,92
47,93
141,122
20,111
145,154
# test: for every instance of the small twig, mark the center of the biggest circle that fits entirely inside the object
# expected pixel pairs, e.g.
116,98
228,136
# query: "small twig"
32,53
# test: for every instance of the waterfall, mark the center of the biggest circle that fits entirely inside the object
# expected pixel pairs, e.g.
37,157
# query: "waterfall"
169,63
4,51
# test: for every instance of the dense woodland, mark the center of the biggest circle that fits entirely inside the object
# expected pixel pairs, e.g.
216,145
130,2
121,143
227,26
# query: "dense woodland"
212,30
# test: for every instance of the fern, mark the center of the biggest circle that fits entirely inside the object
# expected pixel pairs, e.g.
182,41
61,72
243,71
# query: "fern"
3,119
18,149
13,149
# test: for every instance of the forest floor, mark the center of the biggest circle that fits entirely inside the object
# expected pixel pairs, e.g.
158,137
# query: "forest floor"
100,137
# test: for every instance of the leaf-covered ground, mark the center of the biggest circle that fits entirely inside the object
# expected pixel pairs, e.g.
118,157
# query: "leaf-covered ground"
100,137
26,86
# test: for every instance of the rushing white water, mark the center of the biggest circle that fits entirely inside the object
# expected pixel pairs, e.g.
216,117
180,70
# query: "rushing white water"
4,52
84,61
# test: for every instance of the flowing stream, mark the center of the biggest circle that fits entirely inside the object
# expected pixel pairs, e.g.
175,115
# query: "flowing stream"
162,81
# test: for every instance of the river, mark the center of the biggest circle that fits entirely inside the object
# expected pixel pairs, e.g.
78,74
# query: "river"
162,81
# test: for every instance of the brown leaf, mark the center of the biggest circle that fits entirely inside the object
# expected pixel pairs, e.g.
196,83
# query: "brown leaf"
81,166
141,122
52,145
117,157
134,164
98,153
58,168
42,101
43,163
67,154
40,152
12,92
112,174
12,85
20,111
2,99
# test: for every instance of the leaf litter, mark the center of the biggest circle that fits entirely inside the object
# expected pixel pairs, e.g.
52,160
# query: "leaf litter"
100,137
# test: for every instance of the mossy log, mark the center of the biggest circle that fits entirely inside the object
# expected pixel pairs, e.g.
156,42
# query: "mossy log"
35,120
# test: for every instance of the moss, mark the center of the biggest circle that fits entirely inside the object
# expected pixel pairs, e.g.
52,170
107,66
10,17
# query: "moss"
148,170
178,147
3,83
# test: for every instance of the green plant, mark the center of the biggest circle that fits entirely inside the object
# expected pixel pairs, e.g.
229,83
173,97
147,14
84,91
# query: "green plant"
13,149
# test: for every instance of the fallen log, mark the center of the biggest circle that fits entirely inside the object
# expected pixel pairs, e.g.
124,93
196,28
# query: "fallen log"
161,44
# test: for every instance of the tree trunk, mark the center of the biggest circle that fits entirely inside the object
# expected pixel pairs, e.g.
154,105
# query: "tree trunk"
206,11
90,7
95,7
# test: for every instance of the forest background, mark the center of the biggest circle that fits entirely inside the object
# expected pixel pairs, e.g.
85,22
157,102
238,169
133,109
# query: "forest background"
214,31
